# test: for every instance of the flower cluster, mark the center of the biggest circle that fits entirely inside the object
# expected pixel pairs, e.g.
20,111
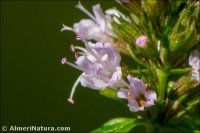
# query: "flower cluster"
100,61
162,81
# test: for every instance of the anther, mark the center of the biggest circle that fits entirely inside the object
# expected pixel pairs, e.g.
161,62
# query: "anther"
142,102
76,55
70,101
129,95
98,71
64,60
104,57
79,37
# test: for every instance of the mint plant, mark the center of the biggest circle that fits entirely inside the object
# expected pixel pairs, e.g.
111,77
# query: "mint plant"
162,38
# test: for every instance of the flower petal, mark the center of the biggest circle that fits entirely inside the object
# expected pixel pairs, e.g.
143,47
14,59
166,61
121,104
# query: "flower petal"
93,83
108,49
88,66
123,93
116,77
136,86
133,105
150,98
194,59
100,18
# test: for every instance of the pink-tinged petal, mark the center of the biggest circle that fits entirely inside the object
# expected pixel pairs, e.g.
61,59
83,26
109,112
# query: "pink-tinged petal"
194,59
141,41
123,93
92,83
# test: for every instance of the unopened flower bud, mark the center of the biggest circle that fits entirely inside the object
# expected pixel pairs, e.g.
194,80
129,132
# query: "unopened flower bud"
132,5
153,8
141,41
184,35
183,86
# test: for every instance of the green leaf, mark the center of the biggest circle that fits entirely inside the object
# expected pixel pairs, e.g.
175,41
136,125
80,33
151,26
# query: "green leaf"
119,125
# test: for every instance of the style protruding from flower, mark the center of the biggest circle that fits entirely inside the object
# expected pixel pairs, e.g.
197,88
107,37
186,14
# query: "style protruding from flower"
194,62
141,41
100,64
138,94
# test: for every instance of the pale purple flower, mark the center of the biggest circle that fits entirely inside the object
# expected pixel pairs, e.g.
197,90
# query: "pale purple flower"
139,96
97,28
100,64
141,41
194,62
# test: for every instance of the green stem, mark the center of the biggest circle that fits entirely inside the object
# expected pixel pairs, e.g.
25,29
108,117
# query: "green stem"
136,59
162,80
162,77
180,71
164,56
137,72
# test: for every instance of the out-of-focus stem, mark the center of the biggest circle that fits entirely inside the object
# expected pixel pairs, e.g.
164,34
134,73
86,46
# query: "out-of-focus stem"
163,57
139,71
162,77
180,71
136,59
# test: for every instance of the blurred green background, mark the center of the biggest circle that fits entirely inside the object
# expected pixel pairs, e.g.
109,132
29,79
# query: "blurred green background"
34,85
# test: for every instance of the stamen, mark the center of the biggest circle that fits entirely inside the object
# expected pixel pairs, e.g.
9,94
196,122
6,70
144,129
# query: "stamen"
105,57
76,55
80,48
72,48
142,102
130,95
82,53
64,60
66,28
70,99
80,6
98,71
